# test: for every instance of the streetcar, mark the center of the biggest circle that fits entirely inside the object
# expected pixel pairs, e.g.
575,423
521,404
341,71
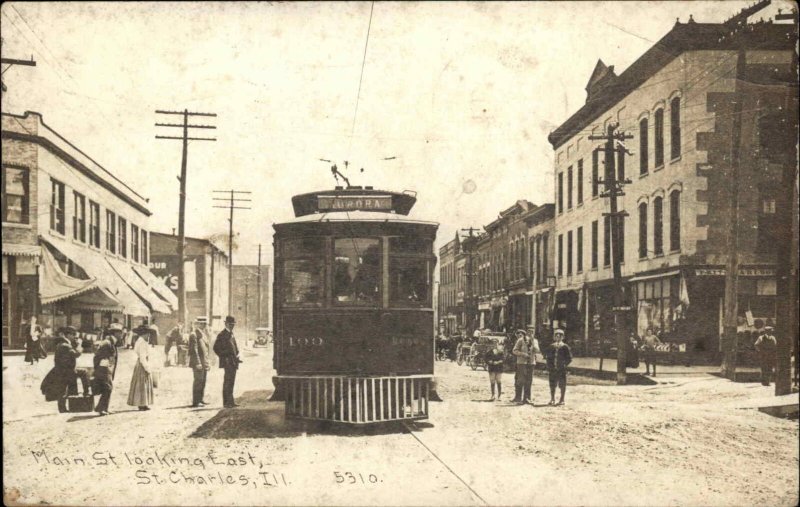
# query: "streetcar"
353,326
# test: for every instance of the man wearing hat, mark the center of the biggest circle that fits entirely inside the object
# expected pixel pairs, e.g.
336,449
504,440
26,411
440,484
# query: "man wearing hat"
105,366
525,349
228,352
766,345
64,374
198,360
558,357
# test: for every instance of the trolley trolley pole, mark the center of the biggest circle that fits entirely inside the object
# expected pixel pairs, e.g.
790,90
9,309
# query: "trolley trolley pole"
182,205
613,189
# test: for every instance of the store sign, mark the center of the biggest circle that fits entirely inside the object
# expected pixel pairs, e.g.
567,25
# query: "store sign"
354,203
758,272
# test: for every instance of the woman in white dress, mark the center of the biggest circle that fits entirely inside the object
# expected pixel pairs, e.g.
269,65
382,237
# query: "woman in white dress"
141,391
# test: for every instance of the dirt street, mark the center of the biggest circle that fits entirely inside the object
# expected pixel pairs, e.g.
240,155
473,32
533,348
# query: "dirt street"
684,441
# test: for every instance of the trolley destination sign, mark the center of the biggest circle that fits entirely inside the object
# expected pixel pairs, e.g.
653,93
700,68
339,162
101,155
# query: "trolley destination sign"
354,203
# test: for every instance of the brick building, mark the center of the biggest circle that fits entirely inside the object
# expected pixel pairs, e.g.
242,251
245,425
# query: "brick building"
206,275
541,279
450,315
75,238
678,100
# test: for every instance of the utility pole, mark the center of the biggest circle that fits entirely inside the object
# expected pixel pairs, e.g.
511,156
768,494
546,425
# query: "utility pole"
613,190
11,62
469,298
729,337
231,206
182,204
258,284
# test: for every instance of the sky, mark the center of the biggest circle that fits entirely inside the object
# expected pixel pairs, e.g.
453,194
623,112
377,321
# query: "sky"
462,94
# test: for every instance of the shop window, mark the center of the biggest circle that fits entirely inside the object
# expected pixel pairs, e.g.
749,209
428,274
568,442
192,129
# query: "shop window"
643,148
656,301
595,174
16,195
643,230
658,148
111,231
675,127
580,181
79,217
594,245
357,271
658,226
94,224
122,230
57,207
675,220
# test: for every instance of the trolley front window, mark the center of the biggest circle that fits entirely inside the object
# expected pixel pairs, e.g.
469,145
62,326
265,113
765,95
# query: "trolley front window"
410,245
302,281
357,271
409,281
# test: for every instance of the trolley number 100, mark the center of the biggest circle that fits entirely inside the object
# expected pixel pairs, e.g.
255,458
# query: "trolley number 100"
306,342
350,478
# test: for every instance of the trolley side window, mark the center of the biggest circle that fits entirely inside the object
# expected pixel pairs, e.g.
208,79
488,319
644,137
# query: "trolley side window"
357,271
409,281
302,271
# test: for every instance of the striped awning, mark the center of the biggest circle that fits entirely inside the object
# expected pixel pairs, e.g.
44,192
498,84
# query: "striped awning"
17,250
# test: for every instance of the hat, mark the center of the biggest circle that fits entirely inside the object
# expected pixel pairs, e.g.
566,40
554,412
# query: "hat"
769,328
518,331
201,320
67,330
230,320
116,326
558,331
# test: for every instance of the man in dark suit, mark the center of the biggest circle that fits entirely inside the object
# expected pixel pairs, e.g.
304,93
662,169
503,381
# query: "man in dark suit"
105,365
225,347
198,360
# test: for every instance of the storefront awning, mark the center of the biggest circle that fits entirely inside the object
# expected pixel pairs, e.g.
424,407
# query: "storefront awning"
55,285
157,285
137,285
666,274
18,250
95,265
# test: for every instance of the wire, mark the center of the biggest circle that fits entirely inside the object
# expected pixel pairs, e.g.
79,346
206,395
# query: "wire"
360,79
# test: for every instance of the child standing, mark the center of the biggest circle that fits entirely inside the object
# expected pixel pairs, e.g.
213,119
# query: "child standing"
494,364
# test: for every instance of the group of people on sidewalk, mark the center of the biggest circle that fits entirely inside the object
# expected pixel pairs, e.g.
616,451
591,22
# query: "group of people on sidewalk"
526,349
61,382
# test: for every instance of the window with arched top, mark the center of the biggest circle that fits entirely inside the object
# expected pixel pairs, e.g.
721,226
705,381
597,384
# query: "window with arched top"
675,220
658,148
643,230
658,226
643,152
675,127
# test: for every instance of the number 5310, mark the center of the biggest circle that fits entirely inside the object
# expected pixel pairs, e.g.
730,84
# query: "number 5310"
351,478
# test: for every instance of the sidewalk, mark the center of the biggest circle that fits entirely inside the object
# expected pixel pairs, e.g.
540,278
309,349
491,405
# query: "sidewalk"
591,366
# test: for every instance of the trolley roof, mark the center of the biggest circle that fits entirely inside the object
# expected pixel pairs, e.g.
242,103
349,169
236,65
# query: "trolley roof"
353,198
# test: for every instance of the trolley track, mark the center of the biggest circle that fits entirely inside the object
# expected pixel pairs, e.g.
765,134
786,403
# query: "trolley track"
411,432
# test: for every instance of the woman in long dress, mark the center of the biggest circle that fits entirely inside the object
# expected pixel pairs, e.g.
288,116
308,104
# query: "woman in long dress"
141,391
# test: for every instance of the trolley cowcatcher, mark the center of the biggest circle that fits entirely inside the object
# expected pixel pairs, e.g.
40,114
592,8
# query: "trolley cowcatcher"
353,307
